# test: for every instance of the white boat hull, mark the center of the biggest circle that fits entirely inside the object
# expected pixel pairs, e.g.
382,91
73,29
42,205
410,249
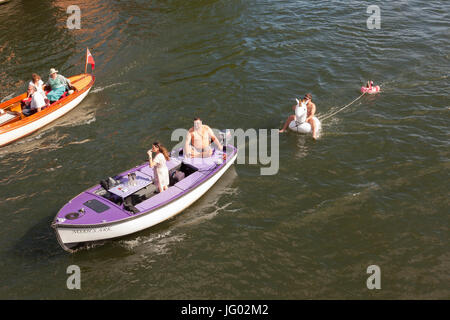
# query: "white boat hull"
69,236
29,128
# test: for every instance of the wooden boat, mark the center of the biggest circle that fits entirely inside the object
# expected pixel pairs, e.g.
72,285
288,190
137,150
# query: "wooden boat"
15,125
111,210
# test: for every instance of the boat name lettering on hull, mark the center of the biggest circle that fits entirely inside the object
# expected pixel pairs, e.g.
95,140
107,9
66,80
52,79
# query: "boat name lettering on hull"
93,230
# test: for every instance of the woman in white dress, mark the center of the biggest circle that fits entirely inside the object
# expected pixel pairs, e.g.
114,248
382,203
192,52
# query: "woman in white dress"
158,164
38,84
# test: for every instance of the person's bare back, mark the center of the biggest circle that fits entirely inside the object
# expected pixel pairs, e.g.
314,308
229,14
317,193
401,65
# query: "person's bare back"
311,111
311,108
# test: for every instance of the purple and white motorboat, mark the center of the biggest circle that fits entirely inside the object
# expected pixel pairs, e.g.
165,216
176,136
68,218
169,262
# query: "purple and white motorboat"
130,203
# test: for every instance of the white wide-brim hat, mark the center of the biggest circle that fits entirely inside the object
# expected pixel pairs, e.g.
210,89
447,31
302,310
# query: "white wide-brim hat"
53,70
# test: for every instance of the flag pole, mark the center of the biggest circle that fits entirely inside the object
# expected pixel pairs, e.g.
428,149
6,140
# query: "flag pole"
85,66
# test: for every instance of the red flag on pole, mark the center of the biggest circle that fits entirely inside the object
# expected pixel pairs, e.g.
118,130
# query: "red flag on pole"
89,60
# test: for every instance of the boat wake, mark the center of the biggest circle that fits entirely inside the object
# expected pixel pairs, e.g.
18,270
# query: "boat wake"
205,209
302,149
7,97
88,246
47,139
210,204
155,244
160,243
80,142
100,89
341,204
79,119
33,143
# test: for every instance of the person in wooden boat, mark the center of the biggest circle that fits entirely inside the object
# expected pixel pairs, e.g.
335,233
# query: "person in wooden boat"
161,172
37,82
37,102
198,141
58,84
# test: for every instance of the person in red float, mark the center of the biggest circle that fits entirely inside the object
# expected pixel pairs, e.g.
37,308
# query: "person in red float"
370,88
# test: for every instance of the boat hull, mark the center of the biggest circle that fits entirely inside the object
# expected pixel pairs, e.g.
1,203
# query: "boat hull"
71,236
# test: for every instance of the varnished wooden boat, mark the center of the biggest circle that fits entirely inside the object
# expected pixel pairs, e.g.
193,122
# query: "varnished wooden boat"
15,125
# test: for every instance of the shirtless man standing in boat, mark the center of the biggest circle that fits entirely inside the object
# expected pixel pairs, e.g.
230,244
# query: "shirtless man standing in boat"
311,108
198,141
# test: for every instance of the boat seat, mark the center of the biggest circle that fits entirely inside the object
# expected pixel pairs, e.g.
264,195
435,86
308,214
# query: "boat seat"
129,206
187,169
188,182
159,199
142,194
9,117
147,171
50,103
177,167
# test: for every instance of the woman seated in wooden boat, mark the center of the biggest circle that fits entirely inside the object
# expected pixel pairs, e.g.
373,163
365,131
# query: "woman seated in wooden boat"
37,82
39,85
58,84
161,172
37,102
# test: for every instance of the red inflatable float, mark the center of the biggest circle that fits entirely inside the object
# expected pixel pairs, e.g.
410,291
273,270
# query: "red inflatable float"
370,88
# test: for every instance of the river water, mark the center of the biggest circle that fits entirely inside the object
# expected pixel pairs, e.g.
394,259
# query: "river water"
373,190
